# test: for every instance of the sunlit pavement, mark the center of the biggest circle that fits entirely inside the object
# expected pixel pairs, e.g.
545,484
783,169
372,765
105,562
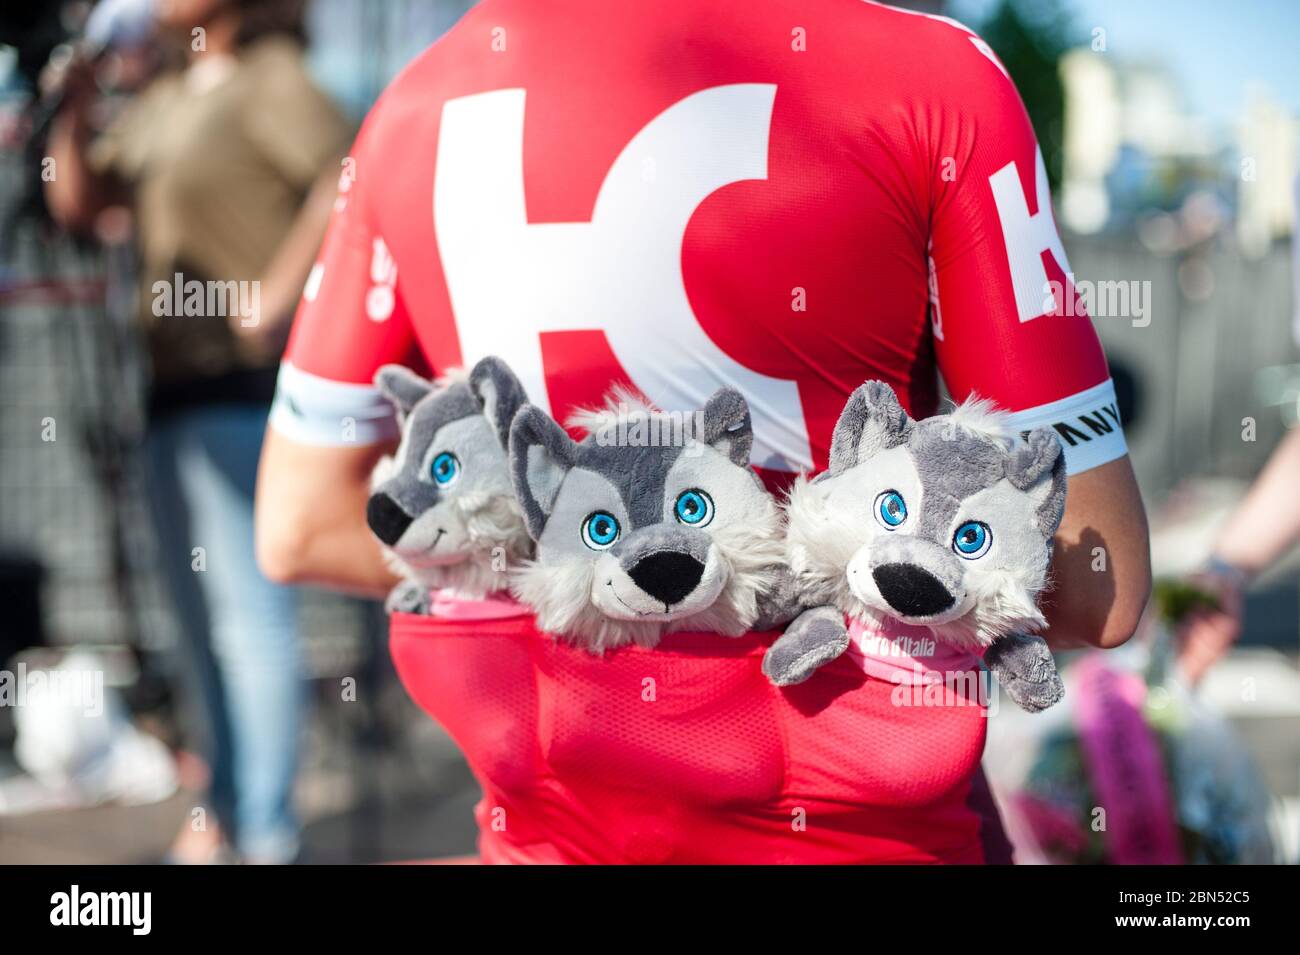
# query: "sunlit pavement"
412,799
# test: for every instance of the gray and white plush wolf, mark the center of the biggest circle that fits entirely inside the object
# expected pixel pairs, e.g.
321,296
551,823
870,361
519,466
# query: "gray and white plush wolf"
443,505
638,535
945,523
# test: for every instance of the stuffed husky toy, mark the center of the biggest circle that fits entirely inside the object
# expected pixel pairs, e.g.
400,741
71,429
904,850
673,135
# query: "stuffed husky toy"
443,506
638,536
945,523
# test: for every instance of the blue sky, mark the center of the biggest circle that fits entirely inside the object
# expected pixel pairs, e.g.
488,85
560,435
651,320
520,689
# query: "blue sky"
1216,48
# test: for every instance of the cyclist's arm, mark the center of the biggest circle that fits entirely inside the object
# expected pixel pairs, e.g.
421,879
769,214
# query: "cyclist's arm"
310,524
997,265
328,428
1105,526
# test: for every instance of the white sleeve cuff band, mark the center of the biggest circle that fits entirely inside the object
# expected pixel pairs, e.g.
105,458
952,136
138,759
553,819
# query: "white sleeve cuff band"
309,409
1087,425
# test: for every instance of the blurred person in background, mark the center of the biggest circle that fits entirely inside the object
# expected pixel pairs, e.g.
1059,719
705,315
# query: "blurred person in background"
1259,532
229,164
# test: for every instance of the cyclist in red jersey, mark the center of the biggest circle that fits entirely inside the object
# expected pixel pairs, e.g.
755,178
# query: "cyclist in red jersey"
786,197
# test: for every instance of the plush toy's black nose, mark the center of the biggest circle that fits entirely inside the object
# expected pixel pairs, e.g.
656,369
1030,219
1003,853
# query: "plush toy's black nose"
911,590
667,575
386,518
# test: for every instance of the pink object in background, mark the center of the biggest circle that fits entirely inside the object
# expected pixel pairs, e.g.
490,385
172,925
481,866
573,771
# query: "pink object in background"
1125,766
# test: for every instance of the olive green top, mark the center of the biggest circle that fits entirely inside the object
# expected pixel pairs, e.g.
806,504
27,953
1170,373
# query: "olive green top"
220,159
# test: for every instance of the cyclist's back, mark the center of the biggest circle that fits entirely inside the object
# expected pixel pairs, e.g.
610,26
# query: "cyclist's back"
785,196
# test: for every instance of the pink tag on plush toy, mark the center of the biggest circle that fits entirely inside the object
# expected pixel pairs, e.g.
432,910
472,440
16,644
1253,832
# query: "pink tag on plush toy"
444,604
905,654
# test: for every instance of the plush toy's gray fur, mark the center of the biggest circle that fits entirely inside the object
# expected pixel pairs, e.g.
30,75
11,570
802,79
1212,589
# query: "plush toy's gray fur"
951,469
814,638
1025,669
660,574
465,535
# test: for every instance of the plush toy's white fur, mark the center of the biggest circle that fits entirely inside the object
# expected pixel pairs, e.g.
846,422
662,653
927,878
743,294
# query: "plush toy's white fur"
560,591
451,376
495,525
983,418
620,401
820,545
751,553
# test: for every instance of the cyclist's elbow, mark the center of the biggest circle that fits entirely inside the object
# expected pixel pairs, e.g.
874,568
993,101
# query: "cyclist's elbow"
1100,605
1120,621
280,553
1102,564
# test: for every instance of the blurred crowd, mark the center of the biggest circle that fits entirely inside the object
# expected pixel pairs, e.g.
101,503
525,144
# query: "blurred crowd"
193,129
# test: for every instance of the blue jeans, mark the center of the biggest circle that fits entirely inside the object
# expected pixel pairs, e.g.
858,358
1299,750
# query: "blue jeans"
239,628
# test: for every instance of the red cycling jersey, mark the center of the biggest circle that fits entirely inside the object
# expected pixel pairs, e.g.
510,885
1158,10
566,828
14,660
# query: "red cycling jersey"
786,196
687,754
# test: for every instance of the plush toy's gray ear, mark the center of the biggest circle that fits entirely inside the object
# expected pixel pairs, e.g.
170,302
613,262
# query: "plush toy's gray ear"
1038,467
499,394
402,387
871,422
541,454
727,425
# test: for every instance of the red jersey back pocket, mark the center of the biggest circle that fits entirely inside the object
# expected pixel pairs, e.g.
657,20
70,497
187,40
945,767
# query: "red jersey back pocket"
692,721
478,679
687,754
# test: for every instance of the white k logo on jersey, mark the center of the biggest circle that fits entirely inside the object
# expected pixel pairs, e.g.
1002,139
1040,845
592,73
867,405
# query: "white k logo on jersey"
1026,237
621,272
381,298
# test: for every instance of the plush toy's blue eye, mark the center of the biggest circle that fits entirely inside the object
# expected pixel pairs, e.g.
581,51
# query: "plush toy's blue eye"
891,510
600,530
972,540
694,508
445,469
